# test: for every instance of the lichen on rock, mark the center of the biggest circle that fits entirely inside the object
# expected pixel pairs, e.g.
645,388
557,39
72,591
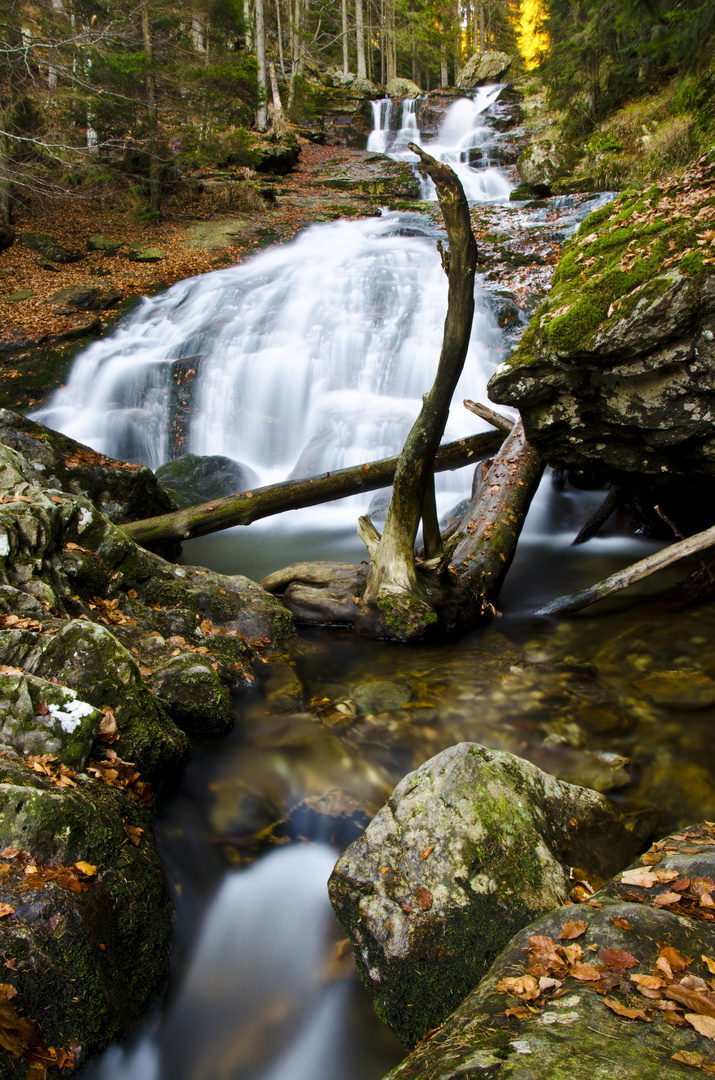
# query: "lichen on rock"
468,849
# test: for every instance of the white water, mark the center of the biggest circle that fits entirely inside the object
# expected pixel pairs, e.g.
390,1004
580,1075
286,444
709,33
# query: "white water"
253,1002
462,131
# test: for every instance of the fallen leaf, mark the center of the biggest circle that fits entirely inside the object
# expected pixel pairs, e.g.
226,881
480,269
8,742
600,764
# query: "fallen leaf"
624,1010
424,898
573,929
524,986
616,958
622,924
675,959
86,868
5,909
705,1025
640,876
427,851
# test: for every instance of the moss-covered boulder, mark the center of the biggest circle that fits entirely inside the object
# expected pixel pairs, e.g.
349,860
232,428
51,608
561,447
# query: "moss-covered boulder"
86,936
616,372
195,478
48,247
618,988
541,165
40,717
402,88
489,66
468,849
122,491
195,696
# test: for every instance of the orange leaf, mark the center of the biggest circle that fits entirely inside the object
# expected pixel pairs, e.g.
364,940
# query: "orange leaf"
705,1025
573,929
624,1010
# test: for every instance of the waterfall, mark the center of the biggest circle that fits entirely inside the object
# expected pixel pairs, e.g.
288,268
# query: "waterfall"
381,116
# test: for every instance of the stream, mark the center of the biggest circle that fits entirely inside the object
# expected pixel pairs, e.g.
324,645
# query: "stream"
313,356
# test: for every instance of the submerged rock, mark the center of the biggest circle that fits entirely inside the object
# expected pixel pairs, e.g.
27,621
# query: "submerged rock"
468,849
618,987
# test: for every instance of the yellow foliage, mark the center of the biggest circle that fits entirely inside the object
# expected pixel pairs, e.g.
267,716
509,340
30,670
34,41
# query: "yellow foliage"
533,39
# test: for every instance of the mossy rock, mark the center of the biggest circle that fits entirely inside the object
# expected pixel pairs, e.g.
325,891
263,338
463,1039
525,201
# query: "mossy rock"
194,696
577,1029
468,849
86,964
48,247
195,478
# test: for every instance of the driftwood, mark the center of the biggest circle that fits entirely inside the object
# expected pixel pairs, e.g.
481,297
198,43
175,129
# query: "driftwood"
396,603
637,572
501,423
600,517
248,506
491,527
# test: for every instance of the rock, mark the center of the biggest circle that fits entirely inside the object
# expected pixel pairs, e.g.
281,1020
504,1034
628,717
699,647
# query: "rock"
100,242
541,165
145,254
470,848
87,957
335,818
484,67
20,294
48,247
275,155
39,717
599,1027
615,373
7,236
379,695
193,478
121,491
45,264
681,689
84,298
402,88
194,695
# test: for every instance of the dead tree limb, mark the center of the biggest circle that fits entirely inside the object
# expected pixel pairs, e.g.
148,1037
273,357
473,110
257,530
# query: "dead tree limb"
599,518
396,603
565,605
248,506
492,525
501,423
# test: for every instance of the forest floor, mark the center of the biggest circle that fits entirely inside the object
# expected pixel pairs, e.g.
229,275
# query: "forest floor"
213,225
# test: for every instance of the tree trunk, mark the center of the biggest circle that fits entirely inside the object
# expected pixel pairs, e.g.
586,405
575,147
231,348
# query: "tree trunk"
279,38
262,111
250,506
360,39
152,114
248,24
344,14
494,520
395,603
276,108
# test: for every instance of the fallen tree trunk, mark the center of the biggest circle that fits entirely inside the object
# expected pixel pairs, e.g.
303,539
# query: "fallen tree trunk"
493,522
565,605
249,506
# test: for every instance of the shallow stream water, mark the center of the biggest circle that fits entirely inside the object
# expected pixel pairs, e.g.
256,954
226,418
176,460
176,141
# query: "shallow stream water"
309,357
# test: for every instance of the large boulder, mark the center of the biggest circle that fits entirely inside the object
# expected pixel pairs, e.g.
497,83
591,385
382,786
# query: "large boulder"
616,372
468,849
541,165
619,988
195,478
86,920
402,88
122,491
484,67
48,247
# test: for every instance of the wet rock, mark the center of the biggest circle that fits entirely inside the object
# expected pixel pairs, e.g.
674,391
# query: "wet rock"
194,478
469,848
122,491
86,962
335,818
84,298
587,1019
680,689
193,694
48,247
484,67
